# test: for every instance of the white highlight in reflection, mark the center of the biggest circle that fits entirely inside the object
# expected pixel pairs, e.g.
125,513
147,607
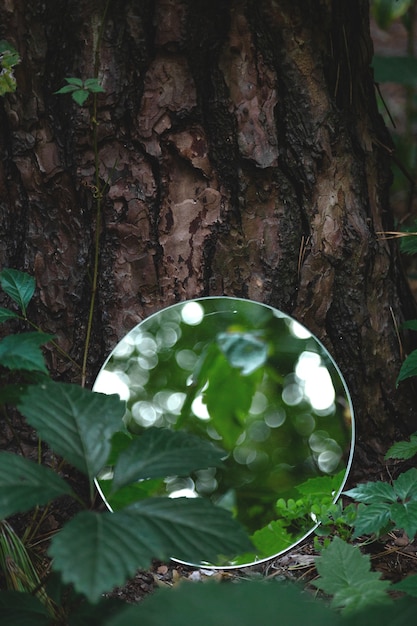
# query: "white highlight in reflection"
318,385
144,413
299,331
113,382
199,408
192,313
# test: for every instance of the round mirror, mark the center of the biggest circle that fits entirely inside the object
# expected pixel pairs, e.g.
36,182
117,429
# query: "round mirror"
256,383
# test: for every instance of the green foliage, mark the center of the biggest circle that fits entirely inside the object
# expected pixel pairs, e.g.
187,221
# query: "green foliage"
346,575
384,506
25,484
115,545
386,11
22,352
81,89
156,453
19,286
243,604
77,424
9,57
403,449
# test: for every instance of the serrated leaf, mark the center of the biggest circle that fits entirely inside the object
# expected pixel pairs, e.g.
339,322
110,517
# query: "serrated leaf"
403,449
321,486
240,604
80,96
21,609
77,423
160,452
408,368
114,545
6,314
372,492
19,286
346,574
404,515
273,538
372,518
22,352
25,484
405,486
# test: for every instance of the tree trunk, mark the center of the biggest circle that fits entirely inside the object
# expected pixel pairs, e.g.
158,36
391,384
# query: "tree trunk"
240,153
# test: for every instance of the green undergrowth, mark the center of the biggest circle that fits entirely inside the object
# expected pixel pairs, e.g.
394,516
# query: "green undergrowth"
95,551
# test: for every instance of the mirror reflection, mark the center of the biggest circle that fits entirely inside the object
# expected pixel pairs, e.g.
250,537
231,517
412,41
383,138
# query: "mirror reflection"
254,382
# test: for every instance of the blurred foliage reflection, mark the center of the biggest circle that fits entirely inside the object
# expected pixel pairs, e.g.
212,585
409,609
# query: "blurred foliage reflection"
252,381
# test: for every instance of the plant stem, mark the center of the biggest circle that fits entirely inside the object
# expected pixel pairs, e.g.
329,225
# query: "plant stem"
98,198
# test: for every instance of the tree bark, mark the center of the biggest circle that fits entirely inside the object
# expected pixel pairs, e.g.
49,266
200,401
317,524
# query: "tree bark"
241,153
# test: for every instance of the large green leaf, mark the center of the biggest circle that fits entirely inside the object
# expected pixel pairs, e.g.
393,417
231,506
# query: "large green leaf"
404,515
97,551
19,286
77,423
240,604
22,352
409,367
22,609
372,518
407,585
403,449
346,575
372,492
25,484
160,452
405,486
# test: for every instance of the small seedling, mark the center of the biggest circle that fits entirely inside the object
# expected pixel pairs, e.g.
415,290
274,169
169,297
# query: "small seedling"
81,89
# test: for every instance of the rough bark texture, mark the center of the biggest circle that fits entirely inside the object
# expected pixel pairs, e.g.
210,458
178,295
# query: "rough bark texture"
243,155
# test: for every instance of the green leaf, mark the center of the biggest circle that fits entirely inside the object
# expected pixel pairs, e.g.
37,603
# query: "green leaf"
273,538
80,96
72,80
6,314
401,70
409,367
322,486
240,604
21,609
25,484
404,516
410,324
160,452
346,574
22,352
244,351
372,518
19,286
66,89
386,11
405,486
77,423
372,492
407,585
114,545
93,85
403,449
